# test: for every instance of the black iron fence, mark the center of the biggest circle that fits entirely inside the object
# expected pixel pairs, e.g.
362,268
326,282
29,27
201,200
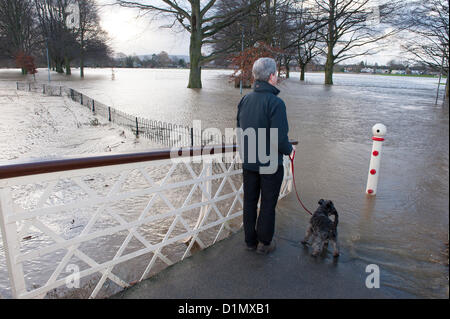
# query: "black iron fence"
168,134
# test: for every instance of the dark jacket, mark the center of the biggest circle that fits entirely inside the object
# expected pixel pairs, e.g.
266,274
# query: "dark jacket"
263,109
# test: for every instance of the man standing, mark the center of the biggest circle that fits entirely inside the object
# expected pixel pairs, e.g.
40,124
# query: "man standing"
263,129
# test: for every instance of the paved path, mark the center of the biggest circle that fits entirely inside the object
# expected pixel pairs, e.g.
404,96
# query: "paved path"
227,270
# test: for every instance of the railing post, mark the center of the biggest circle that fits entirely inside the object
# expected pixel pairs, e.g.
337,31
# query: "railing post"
93,106
43,88
29,87
137,128
71,94
81,98
207,185
192,136
60,90
109,113
11,244
17,84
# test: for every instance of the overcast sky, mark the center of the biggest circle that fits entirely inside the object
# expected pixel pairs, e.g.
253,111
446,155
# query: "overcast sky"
134,34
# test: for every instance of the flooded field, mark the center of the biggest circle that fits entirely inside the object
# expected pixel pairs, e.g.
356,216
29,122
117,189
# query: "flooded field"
403,229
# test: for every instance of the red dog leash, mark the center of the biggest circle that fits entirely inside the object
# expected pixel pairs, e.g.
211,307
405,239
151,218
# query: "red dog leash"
295,187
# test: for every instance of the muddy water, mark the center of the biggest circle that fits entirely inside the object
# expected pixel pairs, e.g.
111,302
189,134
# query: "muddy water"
403,229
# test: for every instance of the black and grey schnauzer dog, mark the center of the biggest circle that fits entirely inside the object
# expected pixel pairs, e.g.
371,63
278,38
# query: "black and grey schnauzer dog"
322,228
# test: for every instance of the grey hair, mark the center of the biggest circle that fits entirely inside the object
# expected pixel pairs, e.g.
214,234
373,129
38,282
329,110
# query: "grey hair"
263,68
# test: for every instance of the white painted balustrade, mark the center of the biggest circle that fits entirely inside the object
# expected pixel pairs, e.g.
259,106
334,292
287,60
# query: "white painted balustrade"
115,224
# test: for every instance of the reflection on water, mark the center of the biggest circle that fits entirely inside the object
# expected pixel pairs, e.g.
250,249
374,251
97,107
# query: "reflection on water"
403,229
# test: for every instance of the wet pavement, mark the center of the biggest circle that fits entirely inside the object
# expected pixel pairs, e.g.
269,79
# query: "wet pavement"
227,271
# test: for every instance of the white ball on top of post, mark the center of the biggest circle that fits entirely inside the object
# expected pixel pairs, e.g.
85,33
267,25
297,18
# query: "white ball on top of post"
379,131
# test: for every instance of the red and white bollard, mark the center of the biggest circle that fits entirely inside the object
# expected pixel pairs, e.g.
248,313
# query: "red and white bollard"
379,131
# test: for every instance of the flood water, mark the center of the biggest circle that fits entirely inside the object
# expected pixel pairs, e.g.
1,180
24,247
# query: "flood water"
403,229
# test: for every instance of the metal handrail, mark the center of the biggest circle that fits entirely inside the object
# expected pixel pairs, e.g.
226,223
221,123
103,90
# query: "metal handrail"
58,165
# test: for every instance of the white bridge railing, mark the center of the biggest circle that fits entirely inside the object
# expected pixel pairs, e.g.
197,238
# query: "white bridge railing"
89,227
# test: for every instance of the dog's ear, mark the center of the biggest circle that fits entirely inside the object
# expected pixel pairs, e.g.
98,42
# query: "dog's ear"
321,201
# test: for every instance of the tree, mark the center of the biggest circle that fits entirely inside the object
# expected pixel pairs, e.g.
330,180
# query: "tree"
243,62
26,62
245,33
353,29
61,41
429,22
307,34
307,50
96,50
282,33
91,37
181,63
18,34
201,20
163,59
66,43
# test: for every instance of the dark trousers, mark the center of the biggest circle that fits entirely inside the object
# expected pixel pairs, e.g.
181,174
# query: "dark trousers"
260,228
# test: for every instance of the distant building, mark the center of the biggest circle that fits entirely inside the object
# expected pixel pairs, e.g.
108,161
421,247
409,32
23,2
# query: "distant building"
366,70
349,69
398,72
382,71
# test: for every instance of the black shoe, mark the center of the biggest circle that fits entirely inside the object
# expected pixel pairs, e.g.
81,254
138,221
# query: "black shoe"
250,247
265,249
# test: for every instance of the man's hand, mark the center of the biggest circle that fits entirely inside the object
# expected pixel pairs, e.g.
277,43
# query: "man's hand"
293,152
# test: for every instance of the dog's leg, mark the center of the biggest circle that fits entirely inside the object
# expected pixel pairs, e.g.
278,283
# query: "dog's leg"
323,242
335,247
316,245
307,236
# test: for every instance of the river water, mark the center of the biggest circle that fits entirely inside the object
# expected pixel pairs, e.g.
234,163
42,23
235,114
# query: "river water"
403,229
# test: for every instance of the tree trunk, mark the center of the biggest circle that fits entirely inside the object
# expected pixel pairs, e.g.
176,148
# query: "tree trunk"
82,58
331,37
195,73
446,89
59,67
82,66
287,71
67,66
329,65
195,48
302,72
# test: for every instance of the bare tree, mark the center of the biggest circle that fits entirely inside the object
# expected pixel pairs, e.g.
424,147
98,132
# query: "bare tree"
163,59
355,28
242,34
429,45
96,49
201,19
61,41
271,23
283,25
307,51
309,24
17,28
89,32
